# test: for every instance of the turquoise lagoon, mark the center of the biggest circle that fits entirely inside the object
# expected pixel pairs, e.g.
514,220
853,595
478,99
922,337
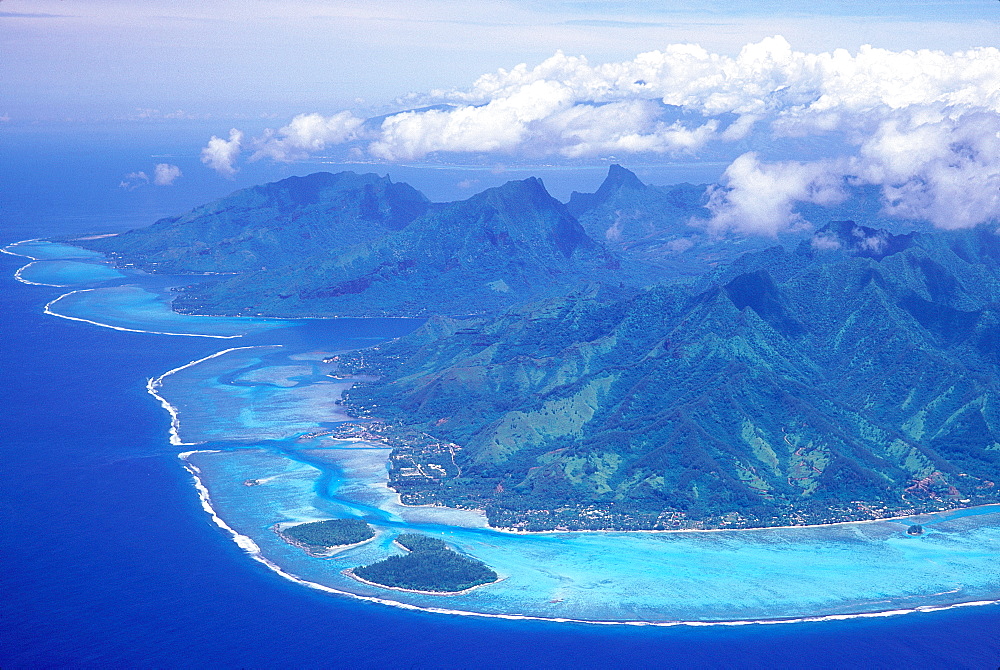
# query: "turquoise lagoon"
54,264
66,273
101,299
257,413
137,309
698,577
40,250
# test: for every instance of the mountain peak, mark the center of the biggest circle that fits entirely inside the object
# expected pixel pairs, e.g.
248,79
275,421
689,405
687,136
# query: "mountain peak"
619,177
521,193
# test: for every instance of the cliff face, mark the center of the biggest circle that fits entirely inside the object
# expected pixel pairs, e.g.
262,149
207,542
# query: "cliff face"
856,376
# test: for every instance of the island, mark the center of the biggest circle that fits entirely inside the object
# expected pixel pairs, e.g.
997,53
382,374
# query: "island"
581,370
323,538
429,567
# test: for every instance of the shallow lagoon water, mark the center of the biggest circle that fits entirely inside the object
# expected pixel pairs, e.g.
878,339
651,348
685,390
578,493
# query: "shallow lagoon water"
66,273
44,250
716,576
134,308
770,575
130,307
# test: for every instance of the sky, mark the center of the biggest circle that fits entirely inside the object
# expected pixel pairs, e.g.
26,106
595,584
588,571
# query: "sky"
802,102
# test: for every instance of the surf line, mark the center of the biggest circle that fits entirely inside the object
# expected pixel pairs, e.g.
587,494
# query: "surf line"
6,249
152,384
251,548
18,277
48,310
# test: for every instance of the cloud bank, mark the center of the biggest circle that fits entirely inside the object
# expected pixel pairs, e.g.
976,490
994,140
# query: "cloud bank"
922,125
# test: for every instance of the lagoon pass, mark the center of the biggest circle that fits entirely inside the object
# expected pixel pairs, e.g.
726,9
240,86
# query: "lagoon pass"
261,408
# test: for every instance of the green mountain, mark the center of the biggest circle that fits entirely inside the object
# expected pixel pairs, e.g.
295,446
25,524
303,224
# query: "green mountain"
656,227
271,226
853,377
359,245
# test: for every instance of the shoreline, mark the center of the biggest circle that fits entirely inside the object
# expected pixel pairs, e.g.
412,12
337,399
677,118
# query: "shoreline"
256,552
110,263
349,572
48,310
6,248
252,549
513,531
310,549
152,384
755,528
249,546
20,278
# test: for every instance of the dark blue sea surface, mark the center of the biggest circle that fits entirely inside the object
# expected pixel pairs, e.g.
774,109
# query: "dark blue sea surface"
110,561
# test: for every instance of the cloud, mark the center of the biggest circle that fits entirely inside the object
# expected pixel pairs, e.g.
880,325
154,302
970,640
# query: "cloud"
307,134
825,242
133,180
32,15
220,154
757,198
936,164
165,174
922,125
142,113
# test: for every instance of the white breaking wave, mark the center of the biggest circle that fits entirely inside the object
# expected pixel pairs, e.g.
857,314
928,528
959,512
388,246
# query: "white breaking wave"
51,312
152,384
252,549
20,278
7,249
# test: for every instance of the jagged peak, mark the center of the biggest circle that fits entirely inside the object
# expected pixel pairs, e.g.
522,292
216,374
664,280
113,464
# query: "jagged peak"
530,191
619,177
346,178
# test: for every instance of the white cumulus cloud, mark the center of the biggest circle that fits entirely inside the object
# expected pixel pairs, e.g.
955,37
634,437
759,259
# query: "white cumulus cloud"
307,134
133,180
165,174
922,125
220,154
757,198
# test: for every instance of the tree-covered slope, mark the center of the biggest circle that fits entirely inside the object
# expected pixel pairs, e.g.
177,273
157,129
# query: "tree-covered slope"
656,226
499,248
271,226
854,377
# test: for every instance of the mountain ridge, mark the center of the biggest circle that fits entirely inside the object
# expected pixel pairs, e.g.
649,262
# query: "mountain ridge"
818,393
496,249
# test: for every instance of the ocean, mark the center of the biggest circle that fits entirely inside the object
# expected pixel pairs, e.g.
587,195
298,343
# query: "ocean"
111,560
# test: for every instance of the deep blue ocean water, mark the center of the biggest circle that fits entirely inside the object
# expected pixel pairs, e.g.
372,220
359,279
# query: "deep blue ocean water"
108,559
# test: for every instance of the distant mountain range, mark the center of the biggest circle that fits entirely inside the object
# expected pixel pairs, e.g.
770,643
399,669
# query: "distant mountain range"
361,245
853,377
